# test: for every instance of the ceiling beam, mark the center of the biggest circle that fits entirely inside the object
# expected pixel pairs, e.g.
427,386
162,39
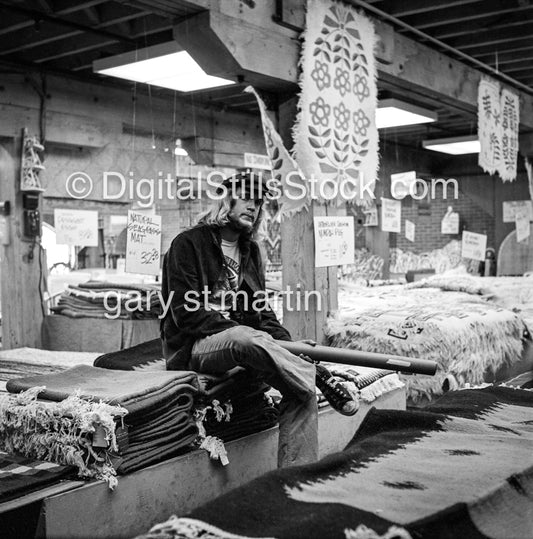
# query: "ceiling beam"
414,7
55,22
492,37
468,13
468,28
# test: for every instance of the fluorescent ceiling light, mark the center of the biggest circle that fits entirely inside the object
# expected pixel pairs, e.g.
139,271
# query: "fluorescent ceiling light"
164,65
453,145
395,113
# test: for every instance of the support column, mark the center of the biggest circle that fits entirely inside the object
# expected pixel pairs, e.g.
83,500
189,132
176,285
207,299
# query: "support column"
298,258
21,261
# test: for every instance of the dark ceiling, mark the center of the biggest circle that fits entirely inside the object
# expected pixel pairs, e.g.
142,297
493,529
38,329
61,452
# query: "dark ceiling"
64,37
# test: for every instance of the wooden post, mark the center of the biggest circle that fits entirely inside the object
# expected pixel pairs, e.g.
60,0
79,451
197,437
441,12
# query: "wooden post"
21,264
298,257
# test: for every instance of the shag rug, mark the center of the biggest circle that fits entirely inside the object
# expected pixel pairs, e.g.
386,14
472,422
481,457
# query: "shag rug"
462,467
465,334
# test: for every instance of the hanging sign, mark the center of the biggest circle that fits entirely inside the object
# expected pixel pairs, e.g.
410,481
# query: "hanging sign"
334,241
143,243
403,184
522,223
391,215
256,160
371,216
450,222
473,245
409,230
510,111
76,227
511,206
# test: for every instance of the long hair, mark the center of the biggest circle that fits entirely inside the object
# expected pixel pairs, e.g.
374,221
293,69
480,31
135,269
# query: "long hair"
217,215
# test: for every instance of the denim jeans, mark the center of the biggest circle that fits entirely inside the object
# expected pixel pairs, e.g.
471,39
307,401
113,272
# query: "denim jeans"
292,376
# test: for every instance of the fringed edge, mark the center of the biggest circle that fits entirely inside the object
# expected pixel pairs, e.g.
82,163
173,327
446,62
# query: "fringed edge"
364,532
190,528
380,387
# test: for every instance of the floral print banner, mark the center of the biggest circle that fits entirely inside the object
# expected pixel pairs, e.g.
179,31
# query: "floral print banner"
510,107
489,125
294,192
498,122
336,135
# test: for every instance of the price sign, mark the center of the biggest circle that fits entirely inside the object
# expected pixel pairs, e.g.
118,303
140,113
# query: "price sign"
473,245
522,223
143,243
391,215
334,241
76,227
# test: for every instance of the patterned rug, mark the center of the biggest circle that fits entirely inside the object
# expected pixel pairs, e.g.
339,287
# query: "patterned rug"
462,467
20,475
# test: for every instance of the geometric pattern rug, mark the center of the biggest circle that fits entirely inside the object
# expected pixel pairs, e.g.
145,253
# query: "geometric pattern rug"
461,467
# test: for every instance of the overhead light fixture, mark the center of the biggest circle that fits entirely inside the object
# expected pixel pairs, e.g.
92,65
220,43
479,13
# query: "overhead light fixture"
453,145
165,65
395,113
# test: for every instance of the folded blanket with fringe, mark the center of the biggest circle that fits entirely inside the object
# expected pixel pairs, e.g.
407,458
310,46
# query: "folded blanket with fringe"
462,467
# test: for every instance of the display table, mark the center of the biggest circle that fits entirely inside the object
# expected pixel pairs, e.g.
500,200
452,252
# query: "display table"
95,334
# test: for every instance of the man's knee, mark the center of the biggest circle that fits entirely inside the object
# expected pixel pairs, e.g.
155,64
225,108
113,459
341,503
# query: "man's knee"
244,339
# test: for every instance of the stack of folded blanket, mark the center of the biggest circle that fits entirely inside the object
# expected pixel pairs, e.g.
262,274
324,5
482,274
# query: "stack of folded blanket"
157,420
229,406
96,299
235,405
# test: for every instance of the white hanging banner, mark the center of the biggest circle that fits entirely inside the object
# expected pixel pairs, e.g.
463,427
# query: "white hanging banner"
391,215
76,227
410,230
403,184
450,222
510,208
473,245
522,224
143,243
489,125
334,241
510,110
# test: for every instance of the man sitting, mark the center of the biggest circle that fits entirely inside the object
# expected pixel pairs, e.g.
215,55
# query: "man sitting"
204,332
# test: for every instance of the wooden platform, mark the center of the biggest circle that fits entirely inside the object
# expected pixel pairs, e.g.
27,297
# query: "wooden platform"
178,485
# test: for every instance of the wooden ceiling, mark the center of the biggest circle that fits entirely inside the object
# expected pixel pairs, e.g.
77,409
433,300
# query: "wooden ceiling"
64,37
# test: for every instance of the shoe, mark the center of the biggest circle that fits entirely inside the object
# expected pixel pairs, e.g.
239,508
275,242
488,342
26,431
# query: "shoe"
334,392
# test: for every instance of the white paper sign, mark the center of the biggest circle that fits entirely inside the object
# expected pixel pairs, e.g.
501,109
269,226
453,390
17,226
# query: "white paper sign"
334,241
510,207
403,184
409,230
371,216
256,160
522,223
143,243
473,245
450,223
76,227
391,215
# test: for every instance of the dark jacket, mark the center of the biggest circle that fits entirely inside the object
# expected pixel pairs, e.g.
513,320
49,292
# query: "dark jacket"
195,260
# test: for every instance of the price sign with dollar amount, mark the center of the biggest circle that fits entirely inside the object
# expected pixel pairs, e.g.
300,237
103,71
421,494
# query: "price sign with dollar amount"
143,243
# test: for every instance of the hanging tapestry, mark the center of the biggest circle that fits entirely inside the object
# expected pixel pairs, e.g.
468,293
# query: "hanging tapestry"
294,192
498,121
529,170
510,106
489,125
335,133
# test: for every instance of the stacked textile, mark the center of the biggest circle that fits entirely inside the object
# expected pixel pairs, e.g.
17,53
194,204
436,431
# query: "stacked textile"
24,361
21,475
158,408
467,336
63,433
235,405
462,467
96,299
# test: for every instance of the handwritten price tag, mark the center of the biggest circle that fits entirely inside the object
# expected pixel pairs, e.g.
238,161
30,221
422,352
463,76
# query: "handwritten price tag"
143,243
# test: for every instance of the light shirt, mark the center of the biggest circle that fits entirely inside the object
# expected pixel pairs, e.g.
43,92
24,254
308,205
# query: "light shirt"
229,280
